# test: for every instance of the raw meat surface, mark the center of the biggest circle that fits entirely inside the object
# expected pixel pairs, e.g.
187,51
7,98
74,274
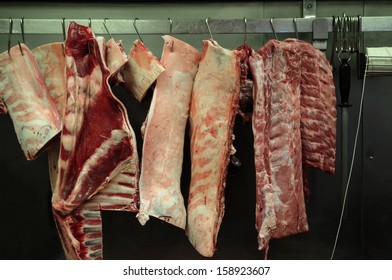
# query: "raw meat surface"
23,91
115,59
97,140
160,192
318,108
280,206
3,108
81,231
141,70
81,234
246,83
214,105
51,62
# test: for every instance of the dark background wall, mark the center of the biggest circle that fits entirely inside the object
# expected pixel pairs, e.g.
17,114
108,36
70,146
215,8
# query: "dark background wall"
27,230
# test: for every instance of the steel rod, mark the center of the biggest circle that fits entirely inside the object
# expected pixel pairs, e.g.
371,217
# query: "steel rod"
185,26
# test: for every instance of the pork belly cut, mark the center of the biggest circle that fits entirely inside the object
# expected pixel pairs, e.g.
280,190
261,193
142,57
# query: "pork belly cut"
280,206
27,100
97,141
214,105
141,70
164,131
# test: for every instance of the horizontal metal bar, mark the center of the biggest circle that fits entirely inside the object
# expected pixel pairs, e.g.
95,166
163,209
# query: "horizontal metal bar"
196,26
374,24
192,26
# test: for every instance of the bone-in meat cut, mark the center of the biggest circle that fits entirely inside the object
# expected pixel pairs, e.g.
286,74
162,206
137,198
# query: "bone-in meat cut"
81,230
214,105
97,139
23,91
164,132
276,121
318,108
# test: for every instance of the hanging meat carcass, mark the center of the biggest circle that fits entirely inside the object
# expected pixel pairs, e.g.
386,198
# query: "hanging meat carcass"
97,141
164,131
214,105
280,206
293,121
81,230
32,110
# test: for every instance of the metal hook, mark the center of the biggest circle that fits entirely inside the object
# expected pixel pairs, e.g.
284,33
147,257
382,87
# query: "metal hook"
107,30
137,31
22,29
20,48
295,27
89,22
63,26
273,28
9,35
171,26
208,27
245,30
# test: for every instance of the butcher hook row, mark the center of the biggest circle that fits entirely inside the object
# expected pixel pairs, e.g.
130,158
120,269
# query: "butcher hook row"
11,24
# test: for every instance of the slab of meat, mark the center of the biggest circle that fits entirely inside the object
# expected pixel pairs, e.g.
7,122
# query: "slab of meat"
51,62
23,91
318,108
214,105
280,206
160,192
141,70
115,59
97,139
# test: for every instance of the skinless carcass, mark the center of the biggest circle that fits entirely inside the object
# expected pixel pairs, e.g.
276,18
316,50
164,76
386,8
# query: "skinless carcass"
294,126
214,105
27,98
164,131
81,230
140,71
97,140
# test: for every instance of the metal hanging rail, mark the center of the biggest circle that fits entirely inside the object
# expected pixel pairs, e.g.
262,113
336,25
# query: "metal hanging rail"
185,26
